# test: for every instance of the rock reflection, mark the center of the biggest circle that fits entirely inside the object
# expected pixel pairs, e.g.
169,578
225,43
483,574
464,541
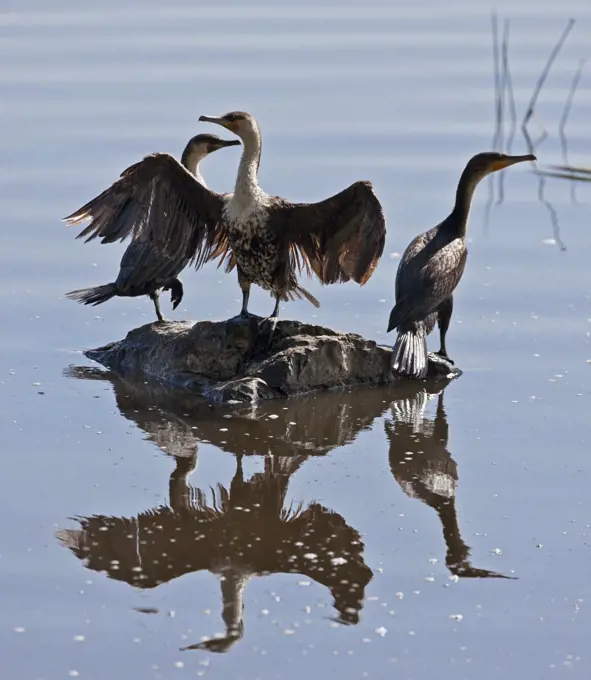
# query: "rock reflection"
422,465
177,421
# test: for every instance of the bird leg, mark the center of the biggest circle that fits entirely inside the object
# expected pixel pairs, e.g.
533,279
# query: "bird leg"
155,297
275,312
444,312
244,284
271,323
244,313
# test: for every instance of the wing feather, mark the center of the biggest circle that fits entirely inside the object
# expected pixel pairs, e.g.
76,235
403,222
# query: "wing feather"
156,200
339,239
424,288
142,266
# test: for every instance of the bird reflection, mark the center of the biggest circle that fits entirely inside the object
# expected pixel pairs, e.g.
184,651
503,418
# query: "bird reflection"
243,530
236,533
424,468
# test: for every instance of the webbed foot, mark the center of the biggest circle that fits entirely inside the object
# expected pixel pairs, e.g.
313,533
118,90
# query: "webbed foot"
443,355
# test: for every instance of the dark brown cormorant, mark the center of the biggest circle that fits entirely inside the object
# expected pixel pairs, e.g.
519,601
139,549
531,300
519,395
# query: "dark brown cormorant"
431,268
268,240
145,269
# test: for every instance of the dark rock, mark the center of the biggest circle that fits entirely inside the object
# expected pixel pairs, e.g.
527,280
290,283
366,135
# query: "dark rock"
225,362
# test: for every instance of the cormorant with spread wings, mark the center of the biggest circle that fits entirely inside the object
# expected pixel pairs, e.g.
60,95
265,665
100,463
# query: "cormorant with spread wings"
144,268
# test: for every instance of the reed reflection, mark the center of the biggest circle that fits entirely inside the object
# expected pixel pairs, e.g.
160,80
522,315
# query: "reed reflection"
423,467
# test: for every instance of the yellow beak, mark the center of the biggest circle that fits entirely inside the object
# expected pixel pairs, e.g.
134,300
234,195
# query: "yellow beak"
511,160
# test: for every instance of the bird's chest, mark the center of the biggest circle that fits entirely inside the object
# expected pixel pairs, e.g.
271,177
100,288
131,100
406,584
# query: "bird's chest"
255,249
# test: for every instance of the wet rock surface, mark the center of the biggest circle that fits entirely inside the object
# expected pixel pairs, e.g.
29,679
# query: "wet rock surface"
231,361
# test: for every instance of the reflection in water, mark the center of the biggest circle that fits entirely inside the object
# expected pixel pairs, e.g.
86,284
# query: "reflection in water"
176,420
247,529
243,530
236,533
505,98
424,468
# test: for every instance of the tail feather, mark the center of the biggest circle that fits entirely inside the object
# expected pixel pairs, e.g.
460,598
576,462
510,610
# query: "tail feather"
409,355
93,296
298,293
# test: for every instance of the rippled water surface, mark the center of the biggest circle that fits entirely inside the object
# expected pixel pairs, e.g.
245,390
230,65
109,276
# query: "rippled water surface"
410,533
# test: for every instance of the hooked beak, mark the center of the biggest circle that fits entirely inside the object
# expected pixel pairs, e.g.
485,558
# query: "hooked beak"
210,119
511,160
218,120
221,144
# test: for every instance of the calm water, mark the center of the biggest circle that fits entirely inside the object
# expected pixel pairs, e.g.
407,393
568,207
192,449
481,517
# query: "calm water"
365,534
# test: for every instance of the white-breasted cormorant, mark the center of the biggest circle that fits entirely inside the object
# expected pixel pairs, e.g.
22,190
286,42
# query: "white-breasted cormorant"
145,269
271,240
431,268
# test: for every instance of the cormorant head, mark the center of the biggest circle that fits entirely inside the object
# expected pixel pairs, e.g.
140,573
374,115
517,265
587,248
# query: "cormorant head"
484,163
201,145
238,122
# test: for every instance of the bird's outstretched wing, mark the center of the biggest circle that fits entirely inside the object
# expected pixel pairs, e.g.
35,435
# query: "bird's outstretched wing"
339,239
159,201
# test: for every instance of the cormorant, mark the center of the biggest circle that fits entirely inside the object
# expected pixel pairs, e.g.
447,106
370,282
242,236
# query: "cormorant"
267,239
339,239
431,268
145,269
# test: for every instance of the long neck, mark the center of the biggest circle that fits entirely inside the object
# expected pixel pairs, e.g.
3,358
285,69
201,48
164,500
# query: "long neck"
191,159
246,181
466,186
457,550
233,583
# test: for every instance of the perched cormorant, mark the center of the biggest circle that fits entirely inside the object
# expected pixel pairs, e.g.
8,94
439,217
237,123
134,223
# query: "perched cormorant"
266,238
431,268
271,240
145,269
339,239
